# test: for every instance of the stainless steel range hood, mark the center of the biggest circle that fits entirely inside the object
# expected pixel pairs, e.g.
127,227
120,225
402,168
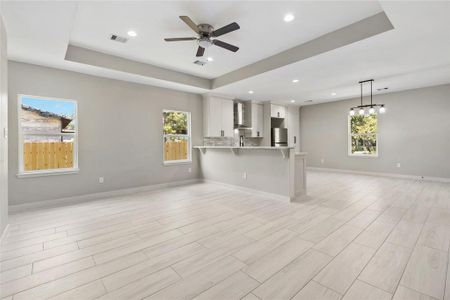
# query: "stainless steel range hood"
242,114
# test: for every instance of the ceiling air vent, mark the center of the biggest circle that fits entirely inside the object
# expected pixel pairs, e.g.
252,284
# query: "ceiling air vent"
117,38
200,62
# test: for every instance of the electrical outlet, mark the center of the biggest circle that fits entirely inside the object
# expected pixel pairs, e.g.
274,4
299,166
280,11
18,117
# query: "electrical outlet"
398,165
190,170
101,180
245,176
322,160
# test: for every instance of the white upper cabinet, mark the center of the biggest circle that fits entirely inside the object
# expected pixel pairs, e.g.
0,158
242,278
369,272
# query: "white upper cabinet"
257,120
278,111
217,117
213,125
227,118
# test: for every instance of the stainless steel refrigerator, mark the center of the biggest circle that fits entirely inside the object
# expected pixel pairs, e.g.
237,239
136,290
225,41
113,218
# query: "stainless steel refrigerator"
279,137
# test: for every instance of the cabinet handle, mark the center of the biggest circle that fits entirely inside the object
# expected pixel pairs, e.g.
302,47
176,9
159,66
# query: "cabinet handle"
278,114
222,133
257,134
295,140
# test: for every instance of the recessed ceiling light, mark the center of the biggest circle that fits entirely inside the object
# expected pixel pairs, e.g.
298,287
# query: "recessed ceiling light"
292,101
132,33
210,58
250,92
333,94
289,17
294,80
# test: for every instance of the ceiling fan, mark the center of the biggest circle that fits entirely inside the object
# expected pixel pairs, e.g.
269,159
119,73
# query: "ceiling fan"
205,34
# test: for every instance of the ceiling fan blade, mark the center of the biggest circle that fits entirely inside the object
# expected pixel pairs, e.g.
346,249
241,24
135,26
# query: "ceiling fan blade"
180,39
200,51
225,29
225,45
189,23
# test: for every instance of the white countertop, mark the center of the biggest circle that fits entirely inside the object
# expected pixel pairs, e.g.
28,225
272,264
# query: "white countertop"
245,147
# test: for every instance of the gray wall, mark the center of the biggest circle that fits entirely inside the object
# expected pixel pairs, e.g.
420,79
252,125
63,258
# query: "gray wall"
120,133
3,127
267,170
415,132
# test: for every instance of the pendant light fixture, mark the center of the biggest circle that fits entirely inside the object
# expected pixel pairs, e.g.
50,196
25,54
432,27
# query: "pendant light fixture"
371,108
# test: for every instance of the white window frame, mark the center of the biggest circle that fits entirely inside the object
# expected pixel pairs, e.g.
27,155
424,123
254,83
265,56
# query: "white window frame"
349,134
189,136
22,173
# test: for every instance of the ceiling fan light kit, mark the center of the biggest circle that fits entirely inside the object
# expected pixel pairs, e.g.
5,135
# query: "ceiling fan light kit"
369,109
206,33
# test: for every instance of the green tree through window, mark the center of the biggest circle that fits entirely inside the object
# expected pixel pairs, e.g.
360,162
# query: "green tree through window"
363,134
175,122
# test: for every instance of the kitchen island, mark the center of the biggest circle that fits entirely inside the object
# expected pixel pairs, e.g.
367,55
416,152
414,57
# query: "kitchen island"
275,171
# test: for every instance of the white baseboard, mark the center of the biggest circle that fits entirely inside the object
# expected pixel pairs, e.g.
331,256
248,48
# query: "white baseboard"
251,191
95,196
393,175
3,235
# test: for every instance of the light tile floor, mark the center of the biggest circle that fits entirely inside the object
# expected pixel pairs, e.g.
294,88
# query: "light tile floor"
353,237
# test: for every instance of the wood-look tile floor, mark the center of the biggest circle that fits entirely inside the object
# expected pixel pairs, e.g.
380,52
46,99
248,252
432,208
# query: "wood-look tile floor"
354,237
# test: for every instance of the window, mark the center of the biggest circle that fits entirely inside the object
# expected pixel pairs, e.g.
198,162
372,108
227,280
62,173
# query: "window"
47,136
176,136
363,138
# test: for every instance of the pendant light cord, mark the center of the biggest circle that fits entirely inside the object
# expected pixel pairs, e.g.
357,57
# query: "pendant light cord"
361,92
371,94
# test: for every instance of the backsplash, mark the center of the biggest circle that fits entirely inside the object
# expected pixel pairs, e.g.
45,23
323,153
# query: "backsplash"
229,141
218,141
252,141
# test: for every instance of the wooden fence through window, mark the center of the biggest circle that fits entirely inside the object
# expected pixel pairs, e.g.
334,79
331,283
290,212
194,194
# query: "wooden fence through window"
47,155
59,155
175,150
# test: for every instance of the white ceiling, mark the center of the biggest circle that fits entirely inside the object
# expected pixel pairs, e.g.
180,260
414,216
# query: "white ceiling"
414,54
263,31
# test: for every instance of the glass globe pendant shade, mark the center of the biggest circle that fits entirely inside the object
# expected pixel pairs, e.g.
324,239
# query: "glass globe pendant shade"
382,109
361,112
352,112
371,110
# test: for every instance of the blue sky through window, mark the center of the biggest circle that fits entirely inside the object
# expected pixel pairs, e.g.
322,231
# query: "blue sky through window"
60,107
